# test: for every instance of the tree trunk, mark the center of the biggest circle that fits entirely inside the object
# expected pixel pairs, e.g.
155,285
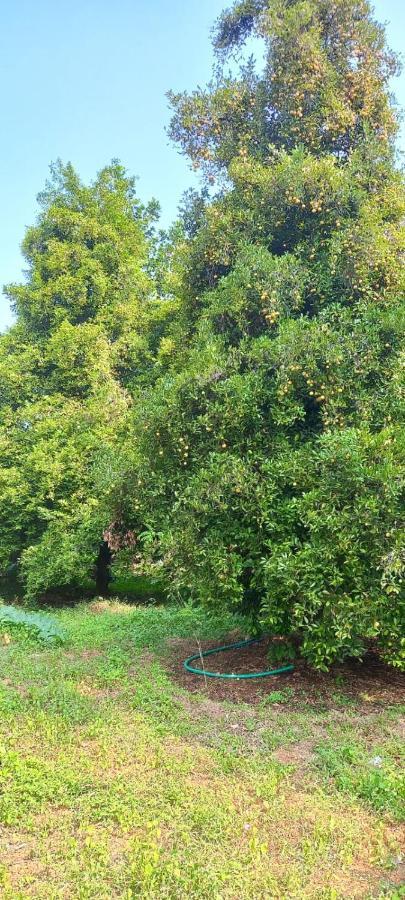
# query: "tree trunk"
103,570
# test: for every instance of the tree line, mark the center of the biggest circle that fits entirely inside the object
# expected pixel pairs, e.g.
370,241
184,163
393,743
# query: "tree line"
220,405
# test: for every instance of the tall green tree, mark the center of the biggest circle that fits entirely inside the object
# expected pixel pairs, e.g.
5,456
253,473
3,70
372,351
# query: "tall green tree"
66,370
324,84
267,459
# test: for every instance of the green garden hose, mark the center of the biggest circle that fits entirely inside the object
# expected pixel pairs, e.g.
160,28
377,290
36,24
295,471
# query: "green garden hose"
235,646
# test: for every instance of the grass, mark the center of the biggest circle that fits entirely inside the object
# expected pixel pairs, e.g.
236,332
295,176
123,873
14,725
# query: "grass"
116,783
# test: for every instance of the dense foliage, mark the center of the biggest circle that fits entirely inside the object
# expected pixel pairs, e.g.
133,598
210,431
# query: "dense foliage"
65,368
269,456
225,407
37,625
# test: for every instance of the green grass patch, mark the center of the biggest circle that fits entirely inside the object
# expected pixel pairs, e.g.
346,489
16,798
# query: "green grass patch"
116,782
373,775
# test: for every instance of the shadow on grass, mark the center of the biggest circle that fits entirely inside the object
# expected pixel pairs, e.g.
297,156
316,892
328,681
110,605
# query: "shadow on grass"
129,589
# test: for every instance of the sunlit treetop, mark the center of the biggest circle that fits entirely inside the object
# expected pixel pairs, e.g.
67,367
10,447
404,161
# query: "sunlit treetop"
87,253
324,83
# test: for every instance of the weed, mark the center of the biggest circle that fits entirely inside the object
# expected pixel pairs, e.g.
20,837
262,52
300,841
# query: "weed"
283,696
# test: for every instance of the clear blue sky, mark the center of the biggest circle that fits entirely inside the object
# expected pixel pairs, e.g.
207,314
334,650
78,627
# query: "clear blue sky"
85,80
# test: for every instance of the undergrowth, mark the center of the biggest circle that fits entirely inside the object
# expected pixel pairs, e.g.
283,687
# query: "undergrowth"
37,624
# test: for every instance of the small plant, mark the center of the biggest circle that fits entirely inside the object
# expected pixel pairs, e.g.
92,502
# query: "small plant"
343,699
42,627
282,696
281,653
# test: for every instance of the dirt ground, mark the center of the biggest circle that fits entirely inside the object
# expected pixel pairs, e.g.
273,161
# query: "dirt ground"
366,682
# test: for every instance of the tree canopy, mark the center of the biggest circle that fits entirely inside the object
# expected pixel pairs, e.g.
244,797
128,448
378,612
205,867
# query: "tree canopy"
223,404
65,368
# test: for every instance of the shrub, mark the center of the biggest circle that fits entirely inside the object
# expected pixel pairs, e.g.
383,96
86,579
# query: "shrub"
42,627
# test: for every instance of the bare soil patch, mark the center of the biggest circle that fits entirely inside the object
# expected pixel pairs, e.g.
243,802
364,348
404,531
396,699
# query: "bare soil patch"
367,683
108,606
299,754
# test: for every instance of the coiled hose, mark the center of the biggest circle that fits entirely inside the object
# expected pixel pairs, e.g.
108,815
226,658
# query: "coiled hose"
189,668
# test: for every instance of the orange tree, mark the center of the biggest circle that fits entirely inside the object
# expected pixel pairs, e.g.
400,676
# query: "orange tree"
264,464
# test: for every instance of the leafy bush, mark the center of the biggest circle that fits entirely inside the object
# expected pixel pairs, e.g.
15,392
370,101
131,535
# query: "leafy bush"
42,627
